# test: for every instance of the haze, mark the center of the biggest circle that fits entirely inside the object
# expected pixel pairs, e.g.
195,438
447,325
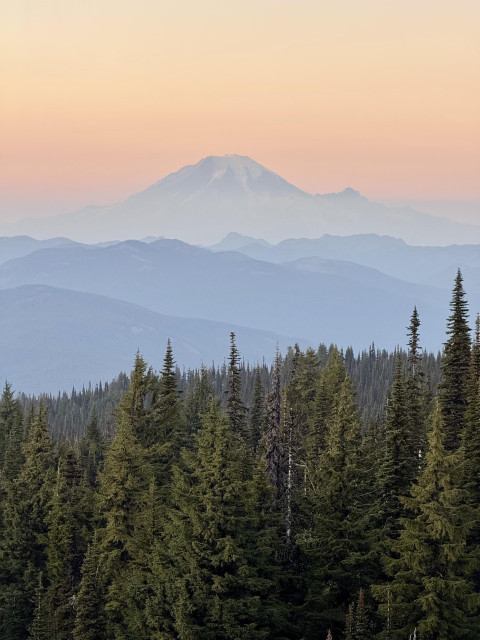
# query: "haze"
101,99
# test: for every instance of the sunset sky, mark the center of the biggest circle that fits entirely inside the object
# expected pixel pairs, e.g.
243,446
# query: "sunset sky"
100,98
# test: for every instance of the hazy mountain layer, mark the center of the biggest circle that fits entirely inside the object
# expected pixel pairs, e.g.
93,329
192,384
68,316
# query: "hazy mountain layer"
201,202
423,265
343,303
53,339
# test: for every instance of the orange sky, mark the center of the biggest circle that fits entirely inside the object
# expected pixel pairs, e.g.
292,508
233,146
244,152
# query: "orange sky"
100,98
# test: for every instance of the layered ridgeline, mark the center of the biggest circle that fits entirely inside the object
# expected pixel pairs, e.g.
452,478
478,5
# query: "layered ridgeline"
70,311
271,512
225,193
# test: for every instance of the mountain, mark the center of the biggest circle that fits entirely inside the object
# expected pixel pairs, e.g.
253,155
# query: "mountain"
202,202
422,265
343,303
53,339
19,246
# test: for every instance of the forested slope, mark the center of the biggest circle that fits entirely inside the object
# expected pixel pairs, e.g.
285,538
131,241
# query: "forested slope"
290,501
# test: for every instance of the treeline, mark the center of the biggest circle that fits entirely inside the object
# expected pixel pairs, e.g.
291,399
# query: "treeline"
240,503
372,372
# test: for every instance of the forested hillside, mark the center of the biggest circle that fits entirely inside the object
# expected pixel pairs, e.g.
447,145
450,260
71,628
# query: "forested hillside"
329,495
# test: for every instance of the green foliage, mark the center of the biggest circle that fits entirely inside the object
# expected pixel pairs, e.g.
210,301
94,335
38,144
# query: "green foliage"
90,622
455,367
23,541
211,571
431,568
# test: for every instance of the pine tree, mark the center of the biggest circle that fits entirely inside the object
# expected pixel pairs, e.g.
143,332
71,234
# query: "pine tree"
207,569
273,452
137,402
123,492
431,589
92,450
10,421
236,410
168,417
198,401
90,621
455,367
416,390
257,411
398,465
40,628
334,544
67,522
22,545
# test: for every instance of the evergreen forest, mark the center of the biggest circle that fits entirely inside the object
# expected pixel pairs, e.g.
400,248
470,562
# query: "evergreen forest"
325,496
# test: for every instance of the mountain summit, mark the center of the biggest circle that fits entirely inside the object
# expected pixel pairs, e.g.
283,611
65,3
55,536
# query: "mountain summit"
202,202
229,175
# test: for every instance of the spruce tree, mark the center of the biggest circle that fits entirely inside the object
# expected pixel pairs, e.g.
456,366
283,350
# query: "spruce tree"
210,570
67,539
122,498
10,421
455,367
90,621
416,390
431,588
334,544
168,418
198,401
398,465
273,451
23,541
257,411
92,450
236,410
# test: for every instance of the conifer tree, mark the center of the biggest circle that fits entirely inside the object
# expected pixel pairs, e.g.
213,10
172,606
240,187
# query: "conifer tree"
257,411
123,491
92,450
416,389
10,421
208,579
236,410
40,628
22,545
455,367
90,621
398,464
197,402
68,524
334,544
272,446
431,588
137,402
169,420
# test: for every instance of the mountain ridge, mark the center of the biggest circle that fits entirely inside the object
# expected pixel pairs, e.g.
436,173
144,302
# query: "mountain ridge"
201,202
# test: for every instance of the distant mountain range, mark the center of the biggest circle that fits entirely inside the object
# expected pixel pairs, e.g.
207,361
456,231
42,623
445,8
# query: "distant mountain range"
202,202
52,339
422,265
72,312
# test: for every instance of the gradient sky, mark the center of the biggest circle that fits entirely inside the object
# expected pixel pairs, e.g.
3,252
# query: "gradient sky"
100,98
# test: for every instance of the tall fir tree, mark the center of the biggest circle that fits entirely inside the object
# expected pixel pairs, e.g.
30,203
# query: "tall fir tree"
431,568
257,411
334,544
210,570
236,409
455,367
23,541
10,422
416,389
198,401
122,498
90,620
